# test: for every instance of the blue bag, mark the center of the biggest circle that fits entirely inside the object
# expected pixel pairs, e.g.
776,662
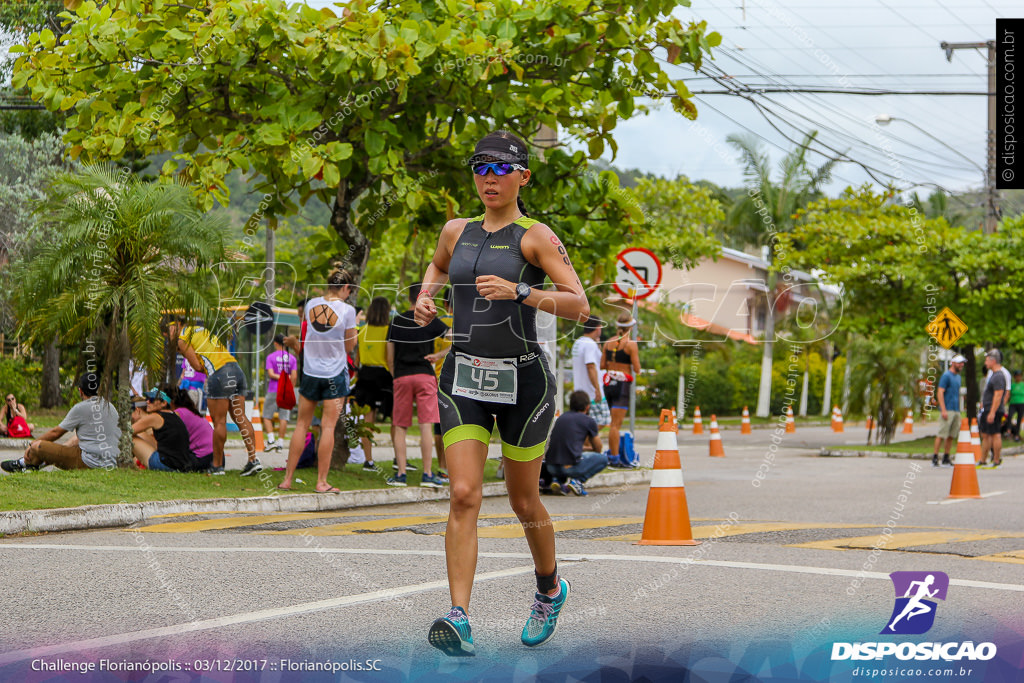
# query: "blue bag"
627,452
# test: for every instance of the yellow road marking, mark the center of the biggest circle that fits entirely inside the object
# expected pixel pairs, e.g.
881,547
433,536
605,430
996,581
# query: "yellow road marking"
350,528
908,540
516,530
198,514
1012,556
721,531
233,522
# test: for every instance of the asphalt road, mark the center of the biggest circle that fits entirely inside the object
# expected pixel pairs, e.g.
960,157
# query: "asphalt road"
789,565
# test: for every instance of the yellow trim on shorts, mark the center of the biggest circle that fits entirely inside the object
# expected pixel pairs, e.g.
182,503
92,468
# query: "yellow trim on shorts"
521,453
466,433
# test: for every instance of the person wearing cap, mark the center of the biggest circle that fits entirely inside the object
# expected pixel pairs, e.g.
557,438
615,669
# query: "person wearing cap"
991,418
621,363
497,374
1016,406
586,372
948,397
280,362
166,448
94,445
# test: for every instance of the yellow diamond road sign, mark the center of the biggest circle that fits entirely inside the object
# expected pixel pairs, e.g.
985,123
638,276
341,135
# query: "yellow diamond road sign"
946,328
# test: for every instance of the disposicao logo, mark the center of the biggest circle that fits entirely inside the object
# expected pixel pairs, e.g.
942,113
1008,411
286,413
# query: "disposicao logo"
914,614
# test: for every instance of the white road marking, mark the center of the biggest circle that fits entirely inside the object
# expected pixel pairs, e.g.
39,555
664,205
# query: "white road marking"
950,501
245,617
788,568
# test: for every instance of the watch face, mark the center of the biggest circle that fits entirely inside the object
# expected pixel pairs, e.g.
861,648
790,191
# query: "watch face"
523,290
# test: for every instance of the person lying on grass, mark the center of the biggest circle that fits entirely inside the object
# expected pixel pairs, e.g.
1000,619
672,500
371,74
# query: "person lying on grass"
94,421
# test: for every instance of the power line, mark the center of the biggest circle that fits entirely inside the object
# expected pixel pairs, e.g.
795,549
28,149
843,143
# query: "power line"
842,113
873,92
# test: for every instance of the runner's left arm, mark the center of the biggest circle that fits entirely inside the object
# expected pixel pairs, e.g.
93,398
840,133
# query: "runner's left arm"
542,248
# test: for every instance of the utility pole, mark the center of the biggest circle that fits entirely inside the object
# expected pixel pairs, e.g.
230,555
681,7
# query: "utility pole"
991,194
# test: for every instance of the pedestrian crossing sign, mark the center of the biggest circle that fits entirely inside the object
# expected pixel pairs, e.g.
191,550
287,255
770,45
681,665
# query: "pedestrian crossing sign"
946,328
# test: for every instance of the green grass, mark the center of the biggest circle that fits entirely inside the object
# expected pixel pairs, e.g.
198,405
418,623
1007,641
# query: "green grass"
921,445
57,489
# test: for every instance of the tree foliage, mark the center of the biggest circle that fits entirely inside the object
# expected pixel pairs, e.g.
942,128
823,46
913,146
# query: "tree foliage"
678,220
365,102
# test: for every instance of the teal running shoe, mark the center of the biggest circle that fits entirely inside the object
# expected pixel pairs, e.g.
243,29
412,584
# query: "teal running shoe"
451,634
543,621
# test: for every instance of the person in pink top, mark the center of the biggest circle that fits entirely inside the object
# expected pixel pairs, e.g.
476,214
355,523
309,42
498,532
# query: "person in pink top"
200,432
278,363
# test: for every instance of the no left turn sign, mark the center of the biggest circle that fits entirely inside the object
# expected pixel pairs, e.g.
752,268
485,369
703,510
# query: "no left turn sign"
639,270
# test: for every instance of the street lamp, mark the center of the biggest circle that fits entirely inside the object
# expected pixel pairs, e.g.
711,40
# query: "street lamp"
884,119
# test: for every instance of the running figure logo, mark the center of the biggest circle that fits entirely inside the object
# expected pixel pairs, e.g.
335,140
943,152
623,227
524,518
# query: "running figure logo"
914,613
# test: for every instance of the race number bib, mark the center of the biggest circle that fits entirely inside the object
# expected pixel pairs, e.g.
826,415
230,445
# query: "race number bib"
494,380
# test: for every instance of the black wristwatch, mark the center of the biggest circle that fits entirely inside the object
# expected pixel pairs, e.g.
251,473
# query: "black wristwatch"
522,291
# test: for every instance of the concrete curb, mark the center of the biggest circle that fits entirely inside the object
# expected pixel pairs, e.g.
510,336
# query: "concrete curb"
850,453
126,514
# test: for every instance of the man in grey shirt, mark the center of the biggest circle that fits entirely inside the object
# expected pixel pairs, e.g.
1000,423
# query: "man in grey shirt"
991,417
95,444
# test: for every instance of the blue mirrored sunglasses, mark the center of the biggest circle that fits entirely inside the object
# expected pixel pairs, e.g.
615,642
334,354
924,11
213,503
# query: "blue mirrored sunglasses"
499,168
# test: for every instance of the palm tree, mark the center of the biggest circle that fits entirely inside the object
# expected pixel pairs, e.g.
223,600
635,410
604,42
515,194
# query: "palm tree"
124,252
767,208
880,375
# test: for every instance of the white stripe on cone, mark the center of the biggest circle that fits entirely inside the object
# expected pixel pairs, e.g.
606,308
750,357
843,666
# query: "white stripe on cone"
666,478
667,441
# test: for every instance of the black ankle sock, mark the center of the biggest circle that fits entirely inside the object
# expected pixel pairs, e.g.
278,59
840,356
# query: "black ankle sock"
546,584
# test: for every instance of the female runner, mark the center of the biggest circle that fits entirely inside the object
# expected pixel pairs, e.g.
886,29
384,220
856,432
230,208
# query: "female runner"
497,373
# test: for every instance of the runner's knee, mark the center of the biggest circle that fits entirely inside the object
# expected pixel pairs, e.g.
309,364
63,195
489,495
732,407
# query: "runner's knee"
465,497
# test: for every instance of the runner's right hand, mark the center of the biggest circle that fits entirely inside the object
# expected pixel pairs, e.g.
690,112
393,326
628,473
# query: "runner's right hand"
425,310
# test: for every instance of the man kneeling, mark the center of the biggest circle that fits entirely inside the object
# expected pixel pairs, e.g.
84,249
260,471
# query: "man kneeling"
94,445
565,460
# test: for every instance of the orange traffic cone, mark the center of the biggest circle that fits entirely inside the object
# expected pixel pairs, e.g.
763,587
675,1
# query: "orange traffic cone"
745,422
837,420
715,445
965,477
698,423
976,441
908,424
790,422
667,521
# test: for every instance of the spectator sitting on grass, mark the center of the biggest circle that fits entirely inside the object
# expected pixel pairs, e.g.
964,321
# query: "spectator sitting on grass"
15,419
167,448
94,445
200,432
565,460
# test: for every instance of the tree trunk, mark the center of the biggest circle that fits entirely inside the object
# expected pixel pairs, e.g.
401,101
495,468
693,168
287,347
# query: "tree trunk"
49,394
826,399
122,398
358,252
764,391
971,381
340,453
805,387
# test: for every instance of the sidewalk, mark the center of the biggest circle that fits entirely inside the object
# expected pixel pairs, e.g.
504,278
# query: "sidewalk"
127,514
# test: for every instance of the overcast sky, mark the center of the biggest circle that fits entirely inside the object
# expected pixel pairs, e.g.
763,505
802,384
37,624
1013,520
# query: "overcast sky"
885,44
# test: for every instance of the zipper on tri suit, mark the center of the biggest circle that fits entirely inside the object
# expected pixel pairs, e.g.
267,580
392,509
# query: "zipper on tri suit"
487,236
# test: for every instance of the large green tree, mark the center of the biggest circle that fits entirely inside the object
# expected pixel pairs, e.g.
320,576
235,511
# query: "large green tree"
898,269
766,211
125,252
371,104
26,167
